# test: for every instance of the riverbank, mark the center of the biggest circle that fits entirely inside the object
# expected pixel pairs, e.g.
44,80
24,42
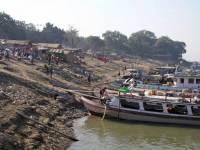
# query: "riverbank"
36,112
51,111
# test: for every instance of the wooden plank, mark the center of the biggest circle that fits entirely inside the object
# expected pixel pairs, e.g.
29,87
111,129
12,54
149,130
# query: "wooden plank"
82,94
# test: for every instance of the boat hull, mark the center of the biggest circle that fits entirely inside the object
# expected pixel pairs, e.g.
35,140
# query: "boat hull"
137,115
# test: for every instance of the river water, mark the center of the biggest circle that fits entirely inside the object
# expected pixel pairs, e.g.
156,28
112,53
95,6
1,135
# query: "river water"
95,134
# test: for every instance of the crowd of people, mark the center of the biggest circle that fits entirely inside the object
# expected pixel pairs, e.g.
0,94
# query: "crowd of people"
18,53
28,53
32,54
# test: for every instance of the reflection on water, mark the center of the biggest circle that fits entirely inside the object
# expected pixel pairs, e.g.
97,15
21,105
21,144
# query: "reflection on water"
95,134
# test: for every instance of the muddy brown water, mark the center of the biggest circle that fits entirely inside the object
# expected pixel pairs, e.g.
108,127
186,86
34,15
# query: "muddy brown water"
95,134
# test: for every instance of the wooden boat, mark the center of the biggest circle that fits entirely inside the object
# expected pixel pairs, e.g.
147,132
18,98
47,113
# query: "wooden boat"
146,110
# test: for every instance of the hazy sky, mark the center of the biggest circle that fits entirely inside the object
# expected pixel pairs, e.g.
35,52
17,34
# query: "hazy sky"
178,19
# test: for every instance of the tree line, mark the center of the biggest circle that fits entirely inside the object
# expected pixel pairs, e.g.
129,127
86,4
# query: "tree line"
142,43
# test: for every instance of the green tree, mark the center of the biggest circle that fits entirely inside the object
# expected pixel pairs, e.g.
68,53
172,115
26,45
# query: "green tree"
115,40
11,29
166,46
95,43
142,42
51,33
71,37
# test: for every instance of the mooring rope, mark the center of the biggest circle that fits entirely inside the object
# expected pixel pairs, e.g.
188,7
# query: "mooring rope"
104,113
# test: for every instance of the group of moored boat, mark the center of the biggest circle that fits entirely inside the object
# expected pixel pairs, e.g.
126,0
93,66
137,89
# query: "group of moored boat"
135,103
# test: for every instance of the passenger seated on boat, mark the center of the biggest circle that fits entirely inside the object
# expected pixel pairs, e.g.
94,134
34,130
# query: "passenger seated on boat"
177,109
169,109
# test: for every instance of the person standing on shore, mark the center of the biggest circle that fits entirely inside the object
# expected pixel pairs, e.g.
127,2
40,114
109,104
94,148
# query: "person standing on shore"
6,54
31,56
89,78
57,60
49,58
51,71
46,69
119,73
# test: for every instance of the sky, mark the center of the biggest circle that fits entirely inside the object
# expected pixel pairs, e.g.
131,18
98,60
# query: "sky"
177,19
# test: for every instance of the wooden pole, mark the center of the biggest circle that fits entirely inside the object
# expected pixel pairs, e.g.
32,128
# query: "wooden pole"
82,91
53,129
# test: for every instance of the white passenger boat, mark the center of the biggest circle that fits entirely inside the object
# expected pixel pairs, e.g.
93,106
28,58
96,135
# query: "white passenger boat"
153,111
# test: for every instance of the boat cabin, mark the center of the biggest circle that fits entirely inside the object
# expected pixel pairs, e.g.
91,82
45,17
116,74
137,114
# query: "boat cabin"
166,107
187,81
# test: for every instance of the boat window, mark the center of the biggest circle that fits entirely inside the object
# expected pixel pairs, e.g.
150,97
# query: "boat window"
170,94
190,80
129,104
177,109
198,81
181,80
153,106
195,110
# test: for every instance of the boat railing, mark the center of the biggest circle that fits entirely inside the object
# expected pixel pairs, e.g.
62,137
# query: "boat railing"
146,99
